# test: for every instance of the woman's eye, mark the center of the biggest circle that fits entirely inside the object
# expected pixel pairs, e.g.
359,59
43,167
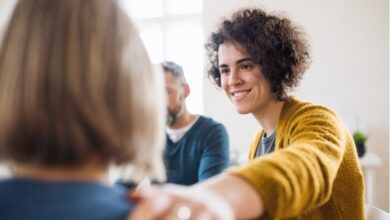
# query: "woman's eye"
224,71
246,66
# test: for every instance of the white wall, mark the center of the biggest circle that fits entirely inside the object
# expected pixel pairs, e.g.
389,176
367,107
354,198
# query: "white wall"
349,72
6,7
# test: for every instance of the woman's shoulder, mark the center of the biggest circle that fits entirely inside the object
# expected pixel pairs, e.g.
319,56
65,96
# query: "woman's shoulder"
297,113
295,107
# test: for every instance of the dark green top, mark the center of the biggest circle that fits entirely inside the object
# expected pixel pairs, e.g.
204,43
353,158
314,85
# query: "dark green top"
201,153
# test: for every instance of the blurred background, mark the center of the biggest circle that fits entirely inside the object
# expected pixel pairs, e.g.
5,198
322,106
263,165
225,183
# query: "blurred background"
349,72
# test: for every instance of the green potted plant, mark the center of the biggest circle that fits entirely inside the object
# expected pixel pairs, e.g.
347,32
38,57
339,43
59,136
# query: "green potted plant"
360,141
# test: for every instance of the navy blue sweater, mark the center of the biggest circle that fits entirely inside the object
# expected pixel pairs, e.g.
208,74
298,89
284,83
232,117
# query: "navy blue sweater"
201,153
30,199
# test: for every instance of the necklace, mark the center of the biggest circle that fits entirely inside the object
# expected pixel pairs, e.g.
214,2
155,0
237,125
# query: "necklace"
268,144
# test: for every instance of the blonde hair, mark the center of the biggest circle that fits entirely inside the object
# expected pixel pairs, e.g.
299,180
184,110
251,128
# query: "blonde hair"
75,80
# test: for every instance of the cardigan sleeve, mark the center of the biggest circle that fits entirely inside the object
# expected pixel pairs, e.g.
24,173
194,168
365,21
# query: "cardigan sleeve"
299,176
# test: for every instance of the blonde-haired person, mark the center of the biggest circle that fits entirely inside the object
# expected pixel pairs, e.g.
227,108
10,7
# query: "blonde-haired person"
77,94
303,161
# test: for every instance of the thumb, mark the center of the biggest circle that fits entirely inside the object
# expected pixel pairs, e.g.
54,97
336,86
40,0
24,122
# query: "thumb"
150,208
142,192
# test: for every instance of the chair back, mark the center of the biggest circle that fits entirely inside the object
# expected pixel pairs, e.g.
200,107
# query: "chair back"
374,213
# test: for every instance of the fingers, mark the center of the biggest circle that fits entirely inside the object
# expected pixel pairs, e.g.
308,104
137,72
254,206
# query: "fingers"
186,212
144,192
175,202
151,208
181,212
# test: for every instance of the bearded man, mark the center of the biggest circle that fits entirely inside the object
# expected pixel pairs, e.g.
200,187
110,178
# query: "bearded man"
197,147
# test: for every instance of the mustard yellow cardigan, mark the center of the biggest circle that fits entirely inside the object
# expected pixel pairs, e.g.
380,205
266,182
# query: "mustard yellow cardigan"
314,171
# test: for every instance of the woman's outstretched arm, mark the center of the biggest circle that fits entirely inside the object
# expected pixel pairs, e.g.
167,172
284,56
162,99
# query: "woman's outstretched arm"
222,197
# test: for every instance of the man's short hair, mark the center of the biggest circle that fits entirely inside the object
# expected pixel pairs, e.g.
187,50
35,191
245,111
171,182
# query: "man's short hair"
175,69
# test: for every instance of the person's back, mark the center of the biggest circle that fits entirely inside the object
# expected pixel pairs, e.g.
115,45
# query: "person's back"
71,75
34,199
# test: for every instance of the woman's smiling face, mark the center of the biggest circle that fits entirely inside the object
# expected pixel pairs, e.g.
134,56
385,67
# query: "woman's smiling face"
242,79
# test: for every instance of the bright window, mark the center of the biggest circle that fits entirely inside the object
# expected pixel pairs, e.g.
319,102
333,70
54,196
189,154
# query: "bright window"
171,30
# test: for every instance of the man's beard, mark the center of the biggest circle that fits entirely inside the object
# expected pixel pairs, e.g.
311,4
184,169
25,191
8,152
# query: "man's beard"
174,114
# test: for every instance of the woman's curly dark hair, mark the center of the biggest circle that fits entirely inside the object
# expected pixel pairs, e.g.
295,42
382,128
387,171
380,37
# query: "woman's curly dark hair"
273,42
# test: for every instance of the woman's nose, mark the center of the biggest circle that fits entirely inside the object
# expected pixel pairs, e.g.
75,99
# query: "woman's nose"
234,78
